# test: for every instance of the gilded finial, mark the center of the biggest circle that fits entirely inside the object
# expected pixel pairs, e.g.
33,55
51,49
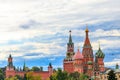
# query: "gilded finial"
87,28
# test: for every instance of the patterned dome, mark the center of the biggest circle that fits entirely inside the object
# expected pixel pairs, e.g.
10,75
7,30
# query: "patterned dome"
78,55
100,54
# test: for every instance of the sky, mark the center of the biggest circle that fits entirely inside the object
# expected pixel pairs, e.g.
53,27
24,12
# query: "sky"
37,31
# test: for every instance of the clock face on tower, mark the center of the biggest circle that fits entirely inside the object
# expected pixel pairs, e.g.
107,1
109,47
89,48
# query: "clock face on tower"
68,54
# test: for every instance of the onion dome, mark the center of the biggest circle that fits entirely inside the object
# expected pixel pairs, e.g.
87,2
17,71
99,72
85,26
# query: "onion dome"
99,53
78,55
89,63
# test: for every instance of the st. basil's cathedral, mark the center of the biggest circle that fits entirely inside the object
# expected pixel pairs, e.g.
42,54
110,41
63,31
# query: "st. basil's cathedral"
84,62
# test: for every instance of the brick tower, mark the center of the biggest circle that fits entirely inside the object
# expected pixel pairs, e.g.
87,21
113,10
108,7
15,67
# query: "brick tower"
50,69
68,61
88,55
10,70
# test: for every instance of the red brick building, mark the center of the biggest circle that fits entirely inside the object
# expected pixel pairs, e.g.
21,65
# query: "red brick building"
11,71
83,62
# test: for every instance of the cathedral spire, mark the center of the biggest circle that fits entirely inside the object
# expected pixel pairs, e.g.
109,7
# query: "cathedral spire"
87,41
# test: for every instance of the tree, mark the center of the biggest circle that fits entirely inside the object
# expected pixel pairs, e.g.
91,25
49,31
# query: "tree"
19,77
35,68
53,76
25,77
111,75
30,76
83,77
74,76
1,75
61,75
12,78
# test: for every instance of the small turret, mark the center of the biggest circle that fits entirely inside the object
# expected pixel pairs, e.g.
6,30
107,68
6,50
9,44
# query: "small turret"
24,66
50,69
117,66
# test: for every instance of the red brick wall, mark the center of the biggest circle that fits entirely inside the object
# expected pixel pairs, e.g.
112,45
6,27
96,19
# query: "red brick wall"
68,66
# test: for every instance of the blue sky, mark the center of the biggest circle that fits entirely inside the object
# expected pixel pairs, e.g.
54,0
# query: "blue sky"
37,30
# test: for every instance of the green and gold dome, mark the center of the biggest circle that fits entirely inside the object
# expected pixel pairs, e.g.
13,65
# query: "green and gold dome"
99,53
89,63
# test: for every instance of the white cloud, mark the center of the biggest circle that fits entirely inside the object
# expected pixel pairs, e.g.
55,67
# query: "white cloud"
103,33
22,50
51,17
112,63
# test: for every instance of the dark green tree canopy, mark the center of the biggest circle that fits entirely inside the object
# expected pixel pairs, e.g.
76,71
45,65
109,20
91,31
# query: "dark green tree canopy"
35,68
111,75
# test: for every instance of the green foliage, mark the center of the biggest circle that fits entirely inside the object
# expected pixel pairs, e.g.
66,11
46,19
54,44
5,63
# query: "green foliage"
62,75
30,76
59,75
12,78
53,76
74,76
83,77
111,75
25,77
35,68
19,77
1,75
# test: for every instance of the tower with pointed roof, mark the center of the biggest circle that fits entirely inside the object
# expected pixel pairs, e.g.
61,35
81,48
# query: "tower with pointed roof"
70,48
10,69
68,61
99,57
24,66
10,63
78,62
88,55
50,69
